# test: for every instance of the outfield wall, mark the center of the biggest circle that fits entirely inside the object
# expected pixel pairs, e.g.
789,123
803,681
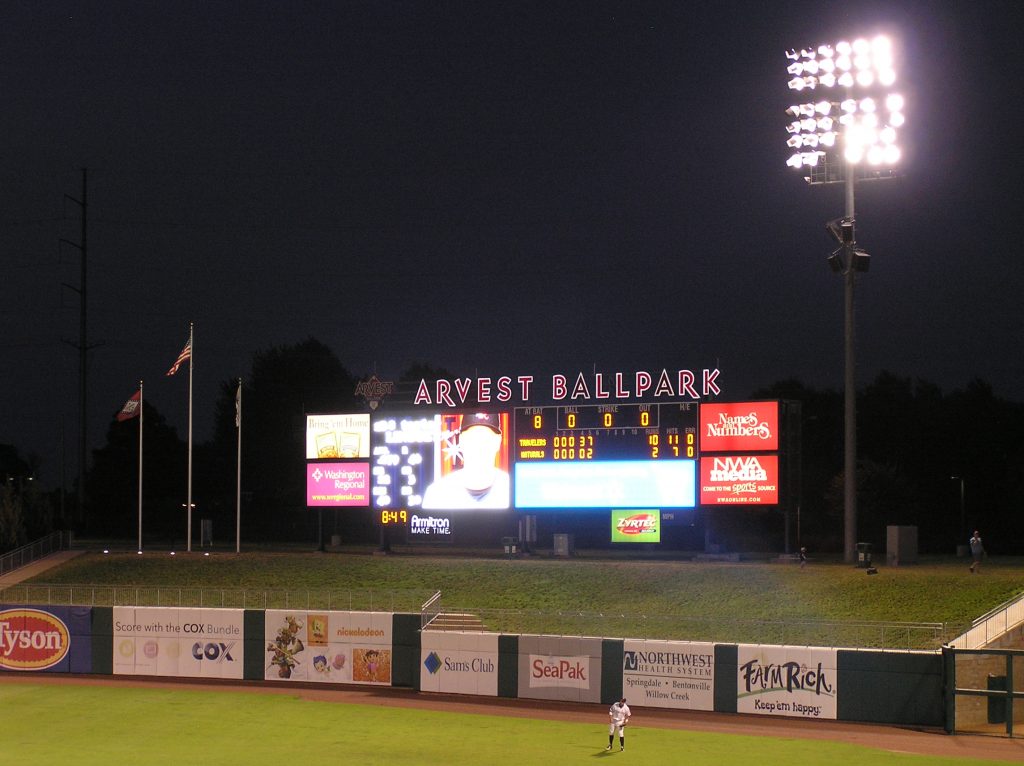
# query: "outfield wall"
389,649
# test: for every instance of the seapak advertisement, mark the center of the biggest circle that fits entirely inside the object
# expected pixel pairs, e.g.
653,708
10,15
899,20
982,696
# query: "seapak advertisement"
670,674
799,682
739,480
166,641
328,647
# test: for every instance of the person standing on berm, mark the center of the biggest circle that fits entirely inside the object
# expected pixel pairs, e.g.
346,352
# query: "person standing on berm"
618,717
977,551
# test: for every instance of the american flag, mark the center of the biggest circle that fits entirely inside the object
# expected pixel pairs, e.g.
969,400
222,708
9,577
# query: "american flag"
186,353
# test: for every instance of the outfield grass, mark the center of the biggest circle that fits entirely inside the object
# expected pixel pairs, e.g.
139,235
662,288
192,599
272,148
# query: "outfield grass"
764,602
104,725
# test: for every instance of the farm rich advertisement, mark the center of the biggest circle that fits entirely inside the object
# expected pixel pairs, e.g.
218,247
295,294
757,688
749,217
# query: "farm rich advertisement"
329,647
459,663
167,641
670,674
48,638
636,526
786,680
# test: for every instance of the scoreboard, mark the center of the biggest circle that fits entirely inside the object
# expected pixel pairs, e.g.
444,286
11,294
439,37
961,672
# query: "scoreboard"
607,432
606,456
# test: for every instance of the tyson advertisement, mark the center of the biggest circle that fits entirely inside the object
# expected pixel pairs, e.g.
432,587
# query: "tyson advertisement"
50,639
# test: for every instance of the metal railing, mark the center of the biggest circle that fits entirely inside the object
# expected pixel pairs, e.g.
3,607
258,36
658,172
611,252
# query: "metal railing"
993,624
368,599
430,609
26,554
850,634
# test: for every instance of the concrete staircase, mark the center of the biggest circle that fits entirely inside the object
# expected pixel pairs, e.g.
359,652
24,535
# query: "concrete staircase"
457,621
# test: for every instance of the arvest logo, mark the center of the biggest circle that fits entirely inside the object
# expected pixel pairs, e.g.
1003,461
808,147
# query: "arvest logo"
31,639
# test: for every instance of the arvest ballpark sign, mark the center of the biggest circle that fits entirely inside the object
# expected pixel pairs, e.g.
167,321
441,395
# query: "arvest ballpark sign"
598,386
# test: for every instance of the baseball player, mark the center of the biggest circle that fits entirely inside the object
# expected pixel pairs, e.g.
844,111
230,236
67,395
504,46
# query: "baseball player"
618,716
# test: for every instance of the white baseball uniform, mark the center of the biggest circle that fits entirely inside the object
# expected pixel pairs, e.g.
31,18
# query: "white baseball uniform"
619,714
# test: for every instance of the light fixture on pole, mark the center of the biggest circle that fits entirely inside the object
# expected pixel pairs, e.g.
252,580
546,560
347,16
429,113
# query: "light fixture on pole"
963,516
846,131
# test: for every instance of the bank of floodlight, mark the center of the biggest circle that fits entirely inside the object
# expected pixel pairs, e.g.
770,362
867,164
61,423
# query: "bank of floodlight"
857,75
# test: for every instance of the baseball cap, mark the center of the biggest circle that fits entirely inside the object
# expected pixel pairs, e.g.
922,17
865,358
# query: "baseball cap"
481,419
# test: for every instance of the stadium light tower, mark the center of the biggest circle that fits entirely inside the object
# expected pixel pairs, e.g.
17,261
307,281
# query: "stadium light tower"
846,131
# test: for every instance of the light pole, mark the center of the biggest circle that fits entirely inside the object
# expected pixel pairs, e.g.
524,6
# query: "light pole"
845,139
963,516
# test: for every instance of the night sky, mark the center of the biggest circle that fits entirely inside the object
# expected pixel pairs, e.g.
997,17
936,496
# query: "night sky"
492,188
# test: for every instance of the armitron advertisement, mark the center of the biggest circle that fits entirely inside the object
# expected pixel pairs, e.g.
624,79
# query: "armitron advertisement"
166,641
739,427
329,437
459,663
331,647
786,680
636,526
670,674
739,480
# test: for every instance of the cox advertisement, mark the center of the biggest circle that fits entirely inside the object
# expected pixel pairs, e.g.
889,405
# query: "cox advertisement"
786,680
50,639
330,647
459,663
672,674
739,480
162,641
636,526
739,427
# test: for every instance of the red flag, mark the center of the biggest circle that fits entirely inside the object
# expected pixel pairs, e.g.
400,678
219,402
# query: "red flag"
186,353
131,408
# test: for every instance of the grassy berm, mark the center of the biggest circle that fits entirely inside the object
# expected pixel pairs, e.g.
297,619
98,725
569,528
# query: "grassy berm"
829,603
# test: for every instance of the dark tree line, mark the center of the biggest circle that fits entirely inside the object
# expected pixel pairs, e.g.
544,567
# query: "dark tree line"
912,439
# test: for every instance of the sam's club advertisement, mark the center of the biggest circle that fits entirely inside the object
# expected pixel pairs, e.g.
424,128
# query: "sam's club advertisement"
636,526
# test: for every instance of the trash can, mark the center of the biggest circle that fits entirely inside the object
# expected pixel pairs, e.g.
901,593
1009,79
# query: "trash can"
564,544
511,545
997,705
864,555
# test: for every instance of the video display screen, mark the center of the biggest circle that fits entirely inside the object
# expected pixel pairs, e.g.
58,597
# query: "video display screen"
448,461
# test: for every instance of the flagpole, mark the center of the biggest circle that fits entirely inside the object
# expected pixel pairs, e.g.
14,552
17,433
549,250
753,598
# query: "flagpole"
191,363
140,466
238,477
